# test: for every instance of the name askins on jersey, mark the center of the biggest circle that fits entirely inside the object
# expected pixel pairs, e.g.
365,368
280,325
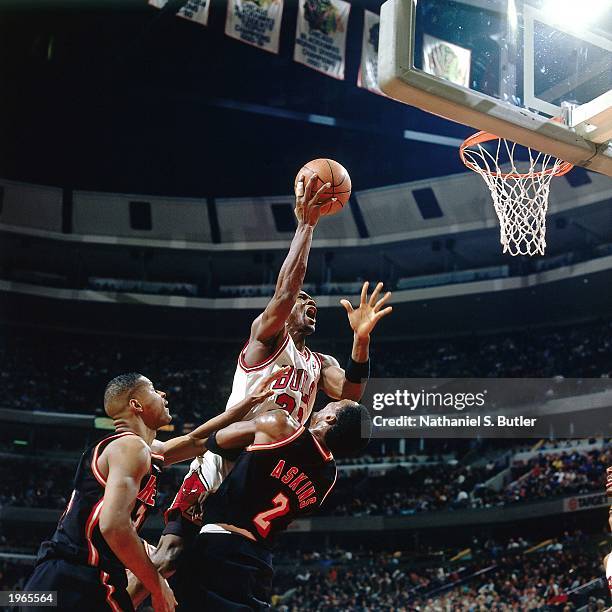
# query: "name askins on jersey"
300,484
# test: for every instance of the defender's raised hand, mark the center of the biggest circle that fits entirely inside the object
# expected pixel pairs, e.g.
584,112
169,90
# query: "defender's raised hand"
262,390
307,205
364,318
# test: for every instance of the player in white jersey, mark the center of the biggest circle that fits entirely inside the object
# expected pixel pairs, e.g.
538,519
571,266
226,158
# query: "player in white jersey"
278,339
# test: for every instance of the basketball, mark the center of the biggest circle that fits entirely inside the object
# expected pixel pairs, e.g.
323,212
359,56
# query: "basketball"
329,171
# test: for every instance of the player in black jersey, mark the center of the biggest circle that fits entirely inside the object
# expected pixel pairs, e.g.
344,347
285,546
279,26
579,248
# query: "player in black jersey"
286,472
115,487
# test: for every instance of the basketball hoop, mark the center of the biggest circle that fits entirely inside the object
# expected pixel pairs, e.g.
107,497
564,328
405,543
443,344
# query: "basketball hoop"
520,195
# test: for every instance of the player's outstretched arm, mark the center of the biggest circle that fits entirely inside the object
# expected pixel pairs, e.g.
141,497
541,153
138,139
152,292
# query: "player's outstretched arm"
351,383
193,444
268,325
128,461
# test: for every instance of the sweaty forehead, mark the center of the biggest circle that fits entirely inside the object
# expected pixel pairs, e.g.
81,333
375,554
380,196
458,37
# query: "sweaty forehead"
304,296
144,382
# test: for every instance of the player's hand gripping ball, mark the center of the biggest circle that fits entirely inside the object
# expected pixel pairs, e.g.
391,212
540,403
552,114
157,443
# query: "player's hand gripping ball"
333,199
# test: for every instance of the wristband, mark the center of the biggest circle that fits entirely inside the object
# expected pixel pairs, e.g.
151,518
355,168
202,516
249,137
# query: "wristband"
356,372
231,454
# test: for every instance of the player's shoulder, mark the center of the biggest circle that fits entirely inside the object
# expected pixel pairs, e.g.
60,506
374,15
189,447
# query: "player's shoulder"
132,446
326,360
605,562
277,424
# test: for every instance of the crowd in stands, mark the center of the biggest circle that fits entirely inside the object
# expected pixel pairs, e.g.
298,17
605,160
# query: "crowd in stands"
502,575
24,483
496,576
401,490
67,373
552,474
454,487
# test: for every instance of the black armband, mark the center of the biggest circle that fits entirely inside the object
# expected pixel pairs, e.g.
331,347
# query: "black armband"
231,454
356,372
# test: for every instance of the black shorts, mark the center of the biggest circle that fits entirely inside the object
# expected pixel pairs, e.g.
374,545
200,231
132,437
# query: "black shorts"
80,587
224,572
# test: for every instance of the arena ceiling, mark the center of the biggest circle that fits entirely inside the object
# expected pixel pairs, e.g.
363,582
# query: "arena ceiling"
121,97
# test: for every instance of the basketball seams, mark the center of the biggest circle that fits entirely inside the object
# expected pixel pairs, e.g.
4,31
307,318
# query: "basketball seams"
333,182
331,200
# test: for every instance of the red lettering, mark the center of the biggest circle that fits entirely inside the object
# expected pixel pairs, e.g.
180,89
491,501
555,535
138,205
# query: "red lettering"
306,493
307,502
278,470
147,495
297,481
296,381
283,381
308,484
291,472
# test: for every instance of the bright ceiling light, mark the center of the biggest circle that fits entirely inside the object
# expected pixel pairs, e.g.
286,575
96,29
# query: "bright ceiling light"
575,15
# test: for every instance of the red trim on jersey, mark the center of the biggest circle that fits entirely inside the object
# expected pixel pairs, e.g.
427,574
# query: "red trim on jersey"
330,488
318,358
110,589
266,362
67,510
293,436
325,454
140,517
94,459
92,520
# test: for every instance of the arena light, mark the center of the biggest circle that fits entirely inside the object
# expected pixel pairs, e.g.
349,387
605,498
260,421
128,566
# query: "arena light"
576,16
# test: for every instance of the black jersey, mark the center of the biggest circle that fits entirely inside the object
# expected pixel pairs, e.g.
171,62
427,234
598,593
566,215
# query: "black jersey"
272,484
77,537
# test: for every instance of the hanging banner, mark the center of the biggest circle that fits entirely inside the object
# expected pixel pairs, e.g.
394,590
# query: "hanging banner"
320,38
368,70
255,22
194,10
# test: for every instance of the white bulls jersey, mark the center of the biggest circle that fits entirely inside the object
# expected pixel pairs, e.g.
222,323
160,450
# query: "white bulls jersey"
295,393
609,572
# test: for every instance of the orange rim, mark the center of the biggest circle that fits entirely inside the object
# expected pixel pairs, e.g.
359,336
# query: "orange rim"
481,137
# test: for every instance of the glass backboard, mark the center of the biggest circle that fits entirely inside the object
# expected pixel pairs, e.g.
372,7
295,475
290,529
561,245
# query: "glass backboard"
507,67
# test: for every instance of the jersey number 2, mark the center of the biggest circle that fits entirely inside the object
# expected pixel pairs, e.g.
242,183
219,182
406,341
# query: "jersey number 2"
286,402
263,519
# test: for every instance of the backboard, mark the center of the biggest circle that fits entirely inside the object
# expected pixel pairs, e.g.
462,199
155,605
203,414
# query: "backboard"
507,67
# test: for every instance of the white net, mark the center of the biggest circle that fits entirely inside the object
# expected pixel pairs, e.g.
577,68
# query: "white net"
520,192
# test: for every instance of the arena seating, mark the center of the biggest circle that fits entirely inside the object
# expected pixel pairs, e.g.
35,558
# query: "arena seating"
68,373
498,576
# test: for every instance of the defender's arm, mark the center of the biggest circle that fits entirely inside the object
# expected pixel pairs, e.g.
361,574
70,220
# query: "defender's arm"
267,428
128,461
193,444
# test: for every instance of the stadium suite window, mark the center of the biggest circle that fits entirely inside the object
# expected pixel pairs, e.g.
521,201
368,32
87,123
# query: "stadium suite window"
578,177
428,203
284,218
140,216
